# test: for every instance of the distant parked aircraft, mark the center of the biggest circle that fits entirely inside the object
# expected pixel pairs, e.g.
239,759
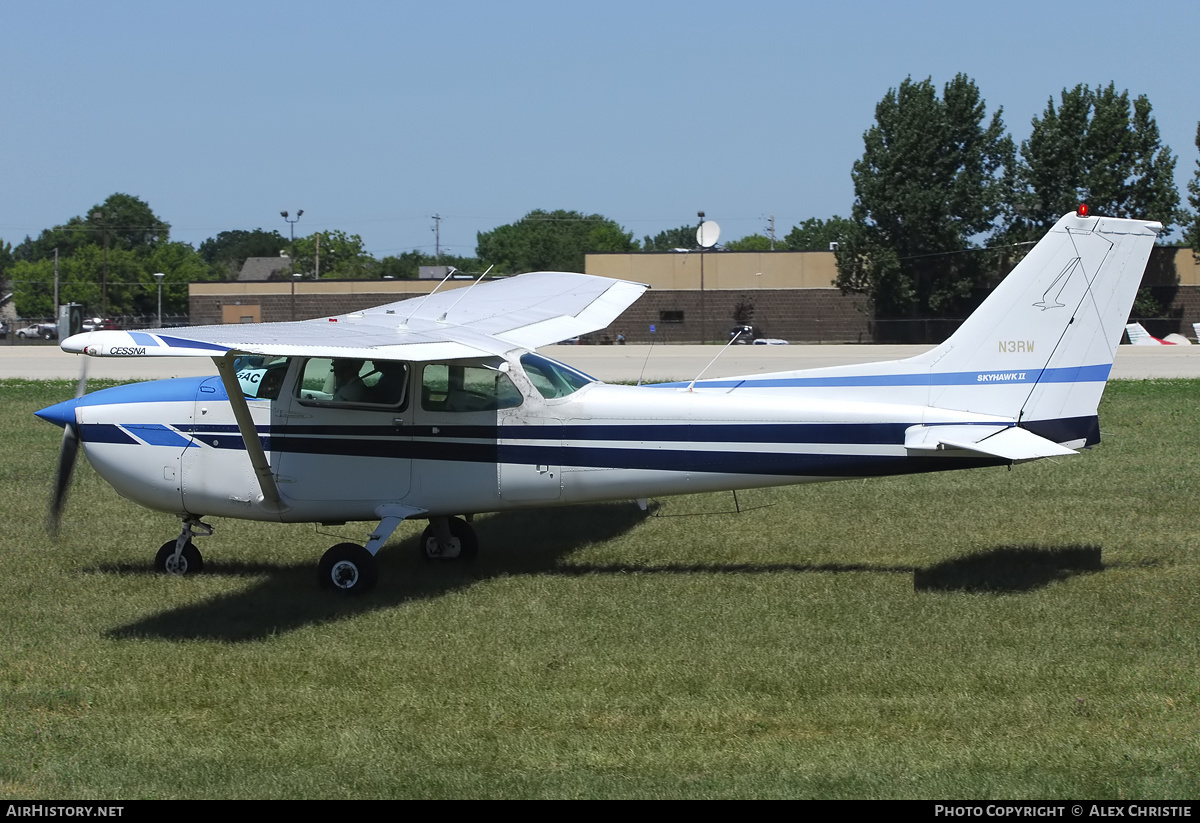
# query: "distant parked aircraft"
1138,336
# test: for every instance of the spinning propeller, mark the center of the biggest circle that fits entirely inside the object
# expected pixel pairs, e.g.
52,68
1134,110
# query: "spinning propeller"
67,454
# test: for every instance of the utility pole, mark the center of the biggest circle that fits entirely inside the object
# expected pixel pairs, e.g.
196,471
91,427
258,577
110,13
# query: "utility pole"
437,239
771,232
703,307
317,274
99,216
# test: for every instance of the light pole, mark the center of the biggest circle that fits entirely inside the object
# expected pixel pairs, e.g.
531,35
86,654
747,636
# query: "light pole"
292,224
292,254
158,275
293,278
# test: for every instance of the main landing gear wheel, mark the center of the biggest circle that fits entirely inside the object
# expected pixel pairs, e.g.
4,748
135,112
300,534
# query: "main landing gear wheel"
188,562
457,542
348,568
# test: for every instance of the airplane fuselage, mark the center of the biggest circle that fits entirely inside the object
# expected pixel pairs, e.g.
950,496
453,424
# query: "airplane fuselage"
175,446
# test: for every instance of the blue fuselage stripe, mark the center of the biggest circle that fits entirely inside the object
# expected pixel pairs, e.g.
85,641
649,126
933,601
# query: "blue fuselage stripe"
1072,374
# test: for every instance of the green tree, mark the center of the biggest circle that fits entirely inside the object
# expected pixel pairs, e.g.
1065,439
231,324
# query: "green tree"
683,237
6,262
933,177
180,265
120,241
122,221
65,239
1095,148
1192,236
227,252
342,256
751,242
550,241
815,234
407,266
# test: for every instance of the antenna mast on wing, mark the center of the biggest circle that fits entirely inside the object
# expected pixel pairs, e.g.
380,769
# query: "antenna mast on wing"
732,340
442,319
421,302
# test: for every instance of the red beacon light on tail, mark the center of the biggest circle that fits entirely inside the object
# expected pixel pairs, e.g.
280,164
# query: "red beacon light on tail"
1082,211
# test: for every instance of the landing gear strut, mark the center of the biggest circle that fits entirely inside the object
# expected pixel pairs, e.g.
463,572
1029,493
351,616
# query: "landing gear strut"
449,538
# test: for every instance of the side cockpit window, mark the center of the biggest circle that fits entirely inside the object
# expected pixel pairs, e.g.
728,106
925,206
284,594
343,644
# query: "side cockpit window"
450,387
349,381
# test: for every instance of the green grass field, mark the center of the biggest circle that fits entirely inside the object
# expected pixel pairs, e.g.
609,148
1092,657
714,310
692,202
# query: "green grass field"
1032,633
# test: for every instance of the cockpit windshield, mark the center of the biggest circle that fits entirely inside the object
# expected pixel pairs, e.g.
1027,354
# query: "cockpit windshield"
551,378
261,377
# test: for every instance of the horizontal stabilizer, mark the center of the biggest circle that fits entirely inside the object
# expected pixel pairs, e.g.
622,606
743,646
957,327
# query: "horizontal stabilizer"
1007,442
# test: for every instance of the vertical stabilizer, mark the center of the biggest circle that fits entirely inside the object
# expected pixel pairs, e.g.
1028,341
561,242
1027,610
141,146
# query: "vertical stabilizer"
1041,347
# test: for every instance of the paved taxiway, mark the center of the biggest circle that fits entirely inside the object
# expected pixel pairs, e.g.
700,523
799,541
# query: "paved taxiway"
37,361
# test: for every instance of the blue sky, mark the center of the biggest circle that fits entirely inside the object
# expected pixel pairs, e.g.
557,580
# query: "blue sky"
373,116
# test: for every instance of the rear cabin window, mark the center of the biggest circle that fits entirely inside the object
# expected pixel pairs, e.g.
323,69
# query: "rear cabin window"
448,387
353,382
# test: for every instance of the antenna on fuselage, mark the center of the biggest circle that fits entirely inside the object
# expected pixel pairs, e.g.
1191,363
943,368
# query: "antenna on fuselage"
646,361
442,319
732,340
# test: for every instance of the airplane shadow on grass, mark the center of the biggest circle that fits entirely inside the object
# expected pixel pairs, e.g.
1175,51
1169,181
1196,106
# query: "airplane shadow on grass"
532,543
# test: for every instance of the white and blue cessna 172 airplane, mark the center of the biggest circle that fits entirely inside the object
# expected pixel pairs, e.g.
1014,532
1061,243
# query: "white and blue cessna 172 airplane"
438,407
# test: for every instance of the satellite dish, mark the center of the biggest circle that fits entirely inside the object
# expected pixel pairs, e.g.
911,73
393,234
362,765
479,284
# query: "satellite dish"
707,234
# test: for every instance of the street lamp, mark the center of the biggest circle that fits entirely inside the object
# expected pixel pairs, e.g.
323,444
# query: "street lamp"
158,275
294,278
292,223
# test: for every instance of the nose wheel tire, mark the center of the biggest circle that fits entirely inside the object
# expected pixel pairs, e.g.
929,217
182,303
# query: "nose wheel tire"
188,562
348,568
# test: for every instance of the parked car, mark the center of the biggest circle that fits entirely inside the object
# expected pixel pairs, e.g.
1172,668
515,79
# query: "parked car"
98,324
769,341
46,331
3,331
744,334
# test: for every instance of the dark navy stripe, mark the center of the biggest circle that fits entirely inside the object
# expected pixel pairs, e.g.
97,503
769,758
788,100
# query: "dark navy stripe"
105,433
1059,431
451,447
178,342
1067,429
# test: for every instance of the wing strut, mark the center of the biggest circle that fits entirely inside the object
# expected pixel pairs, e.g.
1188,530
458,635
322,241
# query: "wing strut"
245,423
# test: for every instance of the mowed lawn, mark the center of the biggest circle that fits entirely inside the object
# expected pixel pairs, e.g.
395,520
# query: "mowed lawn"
1032,633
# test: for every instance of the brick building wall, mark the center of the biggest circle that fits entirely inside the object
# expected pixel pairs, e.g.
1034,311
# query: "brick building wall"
796,315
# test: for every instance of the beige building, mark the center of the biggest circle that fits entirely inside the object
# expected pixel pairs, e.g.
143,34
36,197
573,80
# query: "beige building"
693,297
722,270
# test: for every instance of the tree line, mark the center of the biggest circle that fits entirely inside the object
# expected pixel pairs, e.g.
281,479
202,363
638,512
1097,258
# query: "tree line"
944,202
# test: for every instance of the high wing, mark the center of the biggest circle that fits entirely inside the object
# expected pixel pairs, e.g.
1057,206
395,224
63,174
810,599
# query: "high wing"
526,311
